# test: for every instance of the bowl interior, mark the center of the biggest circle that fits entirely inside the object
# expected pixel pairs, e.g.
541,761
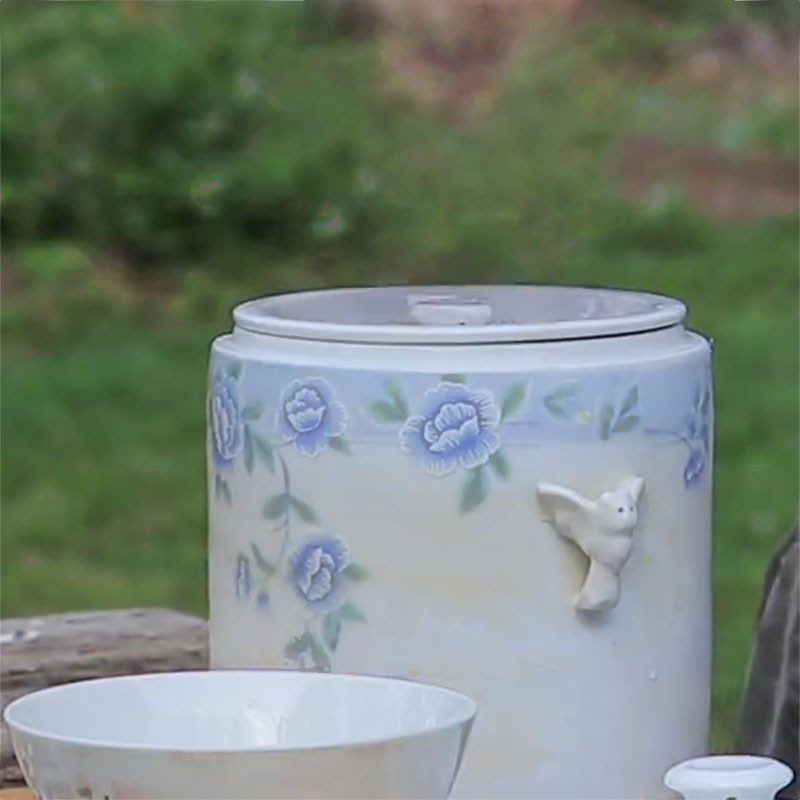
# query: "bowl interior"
232,710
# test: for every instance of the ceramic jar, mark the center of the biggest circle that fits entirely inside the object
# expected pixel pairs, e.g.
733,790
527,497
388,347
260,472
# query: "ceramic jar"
503,490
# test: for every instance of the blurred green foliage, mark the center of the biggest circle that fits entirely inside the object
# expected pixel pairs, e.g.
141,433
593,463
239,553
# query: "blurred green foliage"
179,133
162,165
192,131
775,12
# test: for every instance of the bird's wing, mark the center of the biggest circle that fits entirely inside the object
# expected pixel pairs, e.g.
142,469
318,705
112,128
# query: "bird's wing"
634,486
562,506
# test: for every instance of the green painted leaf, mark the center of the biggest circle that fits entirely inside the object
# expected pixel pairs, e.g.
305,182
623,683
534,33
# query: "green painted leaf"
356,573
276,506
285,473
234,369
454,377
351,612
248,450
500,464
475,491
264,451
340,445
303,509
265,566
252,411
298,645
606,417
554,402
331,629
221,489
294,649
555,409
626,423
386,412
564,392
318,655
396,393
631,399
513,400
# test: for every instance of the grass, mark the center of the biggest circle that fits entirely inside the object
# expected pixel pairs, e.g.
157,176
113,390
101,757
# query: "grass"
103,479
103,376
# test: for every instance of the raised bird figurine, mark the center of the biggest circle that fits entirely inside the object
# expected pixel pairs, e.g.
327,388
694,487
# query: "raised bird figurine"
602,528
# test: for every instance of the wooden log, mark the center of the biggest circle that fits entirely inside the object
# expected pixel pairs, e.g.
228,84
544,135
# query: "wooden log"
17,794
61,648
11,775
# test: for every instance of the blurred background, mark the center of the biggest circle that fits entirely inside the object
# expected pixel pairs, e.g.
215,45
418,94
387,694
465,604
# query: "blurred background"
164,161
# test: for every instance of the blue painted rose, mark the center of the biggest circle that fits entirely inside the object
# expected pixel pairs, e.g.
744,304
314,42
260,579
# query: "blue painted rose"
457,427
244,578
309,415
695,466
697,425
317,571
224,420
697,430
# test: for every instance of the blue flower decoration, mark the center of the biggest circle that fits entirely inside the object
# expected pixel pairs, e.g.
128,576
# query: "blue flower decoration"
695,466
244,577
224,420
457,427
697,423
696,429
309,415
317,571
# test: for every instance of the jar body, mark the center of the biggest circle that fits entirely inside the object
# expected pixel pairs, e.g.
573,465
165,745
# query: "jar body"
373,509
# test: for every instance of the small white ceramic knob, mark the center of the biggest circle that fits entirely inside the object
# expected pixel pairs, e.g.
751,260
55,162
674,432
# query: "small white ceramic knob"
728,778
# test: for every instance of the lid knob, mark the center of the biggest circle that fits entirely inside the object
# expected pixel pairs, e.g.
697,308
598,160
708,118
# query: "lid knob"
448,309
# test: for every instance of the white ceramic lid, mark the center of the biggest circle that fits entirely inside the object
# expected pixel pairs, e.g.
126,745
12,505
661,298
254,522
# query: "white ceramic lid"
740,776
458,314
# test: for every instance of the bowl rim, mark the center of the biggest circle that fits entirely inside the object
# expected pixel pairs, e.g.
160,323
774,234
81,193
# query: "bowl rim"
462,718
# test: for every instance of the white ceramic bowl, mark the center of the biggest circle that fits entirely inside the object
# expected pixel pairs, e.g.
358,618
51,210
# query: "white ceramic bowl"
241,734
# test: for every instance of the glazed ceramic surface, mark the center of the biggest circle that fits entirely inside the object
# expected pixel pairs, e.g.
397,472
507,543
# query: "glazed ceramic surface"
236,734
729,777
505,490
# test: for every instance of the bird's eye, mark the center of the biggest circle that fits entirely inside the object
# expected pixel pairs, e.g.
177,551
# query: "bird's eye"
631,508
621,510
